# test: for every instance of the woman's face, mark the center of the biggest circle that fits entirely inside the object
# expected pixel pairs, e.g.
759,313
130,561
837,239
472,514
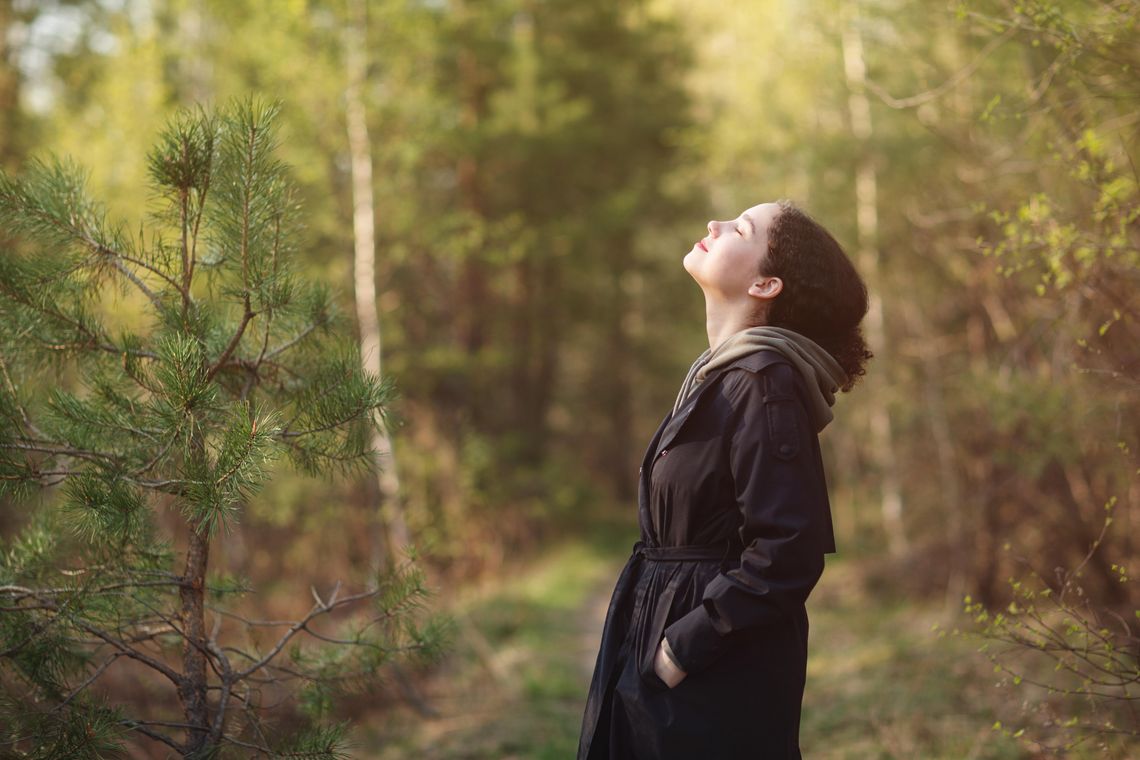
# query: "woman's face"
727,260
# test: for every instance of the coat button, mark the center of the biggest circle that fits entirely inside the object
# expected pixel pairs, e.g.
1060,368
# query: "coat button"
786,449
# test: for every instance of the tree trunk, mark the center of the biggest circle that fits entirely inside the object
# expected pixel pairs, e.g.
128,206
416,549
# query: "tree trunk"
950,490
472,293
193,689
9,90
193,65
392,527
618,382
867,257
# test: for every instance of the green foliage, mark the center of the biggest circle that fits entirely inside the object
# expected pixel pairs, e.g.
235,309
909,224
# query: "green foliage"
1078,234
1068,236
1076,658
328,742
80,729
238,362
540,170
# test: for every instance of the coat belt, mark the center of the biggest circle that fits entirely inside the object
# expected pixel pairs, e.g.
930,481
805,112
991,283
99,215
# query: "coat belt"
719,551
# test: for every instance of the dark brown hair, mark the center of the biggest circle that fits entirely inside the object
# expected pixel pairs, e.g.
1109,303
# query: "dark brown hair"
823,296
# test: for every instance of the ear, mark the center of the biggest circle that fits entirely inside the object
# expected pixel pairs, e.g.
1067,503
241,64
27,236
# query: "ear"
766,288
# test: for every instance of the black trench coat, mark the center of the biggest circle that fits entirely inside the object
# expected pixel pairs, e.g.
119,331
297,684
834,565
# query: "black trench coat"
735,522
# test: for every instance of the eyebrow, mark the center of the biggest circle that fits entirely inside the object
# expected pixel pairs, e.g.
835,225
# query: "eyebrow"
751,224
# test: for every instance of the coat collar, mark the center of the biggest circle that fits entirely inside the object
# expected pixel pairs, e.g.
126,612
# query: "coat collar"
672,424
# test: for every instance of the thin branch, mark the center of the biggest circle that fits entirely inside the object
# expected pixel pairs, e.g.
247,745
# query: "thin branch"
269,312
106,251
131,652
294,341
138,283
246,621
15,398
245,319
205,189
84,236
87,682
161,453
46,447
156,735
949,84
317,610
173,623
249,312
257,747
216,730
334,424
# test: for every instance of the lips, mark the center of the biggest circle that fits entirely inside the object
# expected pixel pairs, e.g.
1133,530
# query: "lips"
702,246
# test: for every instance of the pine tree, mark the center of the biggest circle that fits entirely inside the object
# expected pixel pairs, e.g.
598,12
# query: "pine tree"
238,362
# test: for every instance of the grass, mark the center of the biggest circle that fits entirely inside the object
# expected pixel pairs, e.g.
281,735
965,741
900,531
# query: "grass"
883,684
515,683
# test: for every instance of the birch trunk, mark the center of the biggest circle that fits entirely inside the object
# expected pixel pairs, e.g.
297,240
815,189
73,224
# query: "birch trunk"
867,257
392,527
9,87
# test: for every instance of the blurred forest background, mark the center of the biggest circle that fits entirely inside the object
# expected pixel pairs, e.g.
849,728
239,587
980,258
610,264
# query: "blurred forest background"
538,170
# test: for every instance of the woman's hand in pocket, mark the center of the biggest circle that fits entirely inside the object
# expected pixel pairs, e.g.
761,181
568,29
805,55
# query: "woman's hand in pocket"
665,666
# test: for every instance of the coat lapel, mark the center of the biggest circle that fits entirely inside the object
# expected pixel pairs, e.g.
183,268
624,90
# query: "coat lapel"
671,425
753,362
643,472
678,420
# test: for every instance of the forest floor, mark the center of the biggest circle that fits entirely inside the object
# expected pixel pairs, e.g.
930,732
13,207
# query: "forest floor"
882,683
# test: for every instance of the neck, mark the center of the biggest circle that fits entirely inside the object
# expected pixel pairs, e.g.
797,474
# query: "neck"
724,319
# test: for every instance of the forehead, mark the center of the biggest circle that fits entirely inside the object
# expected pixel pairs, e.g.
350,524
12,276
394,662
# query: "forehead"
762,214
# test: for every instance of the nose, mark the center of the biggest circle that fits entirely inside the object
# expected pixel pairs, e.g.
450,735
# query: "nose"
712,226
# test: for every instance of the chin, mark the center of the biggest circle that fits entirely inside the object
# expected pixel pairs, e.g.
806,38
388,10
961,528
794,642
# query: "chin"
687,262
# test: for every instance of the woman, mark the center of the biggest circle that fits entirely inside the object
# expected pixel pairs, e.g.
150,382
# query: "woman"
704,649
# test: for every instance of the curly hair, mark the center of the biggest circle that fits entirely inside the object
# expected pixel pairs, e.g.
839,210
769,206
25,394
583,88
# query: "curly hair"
823,296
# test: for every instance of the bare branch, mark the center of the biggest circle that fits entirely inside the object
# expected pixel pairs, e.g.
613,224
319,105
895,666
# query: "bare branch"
265,750
290,343
131,652
156,735
90,680
300,625
949,84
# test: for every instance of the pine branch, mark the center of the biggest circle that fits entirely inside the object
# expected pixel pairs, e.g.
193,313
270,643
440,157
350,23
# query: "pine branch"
38,214
93,339
245,320
277,351
15,399
118,265
49,447
172,427
119,255
149,464
115,642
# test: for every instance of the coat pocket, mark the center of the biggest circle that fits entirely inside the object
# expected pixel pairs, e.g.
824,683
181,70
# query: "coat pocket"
656,618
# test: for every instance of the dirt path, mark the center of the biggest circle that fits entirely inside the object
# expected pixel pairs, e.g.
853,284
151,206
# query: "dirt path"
515,682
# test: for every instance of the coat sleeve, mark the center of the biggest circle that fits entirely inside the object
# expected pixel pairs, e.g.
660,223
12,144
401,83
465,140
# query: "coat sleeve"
782,496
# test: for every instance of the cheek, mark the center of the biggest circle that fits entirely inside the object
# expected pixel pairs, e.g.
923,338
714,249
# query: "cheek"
740,260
